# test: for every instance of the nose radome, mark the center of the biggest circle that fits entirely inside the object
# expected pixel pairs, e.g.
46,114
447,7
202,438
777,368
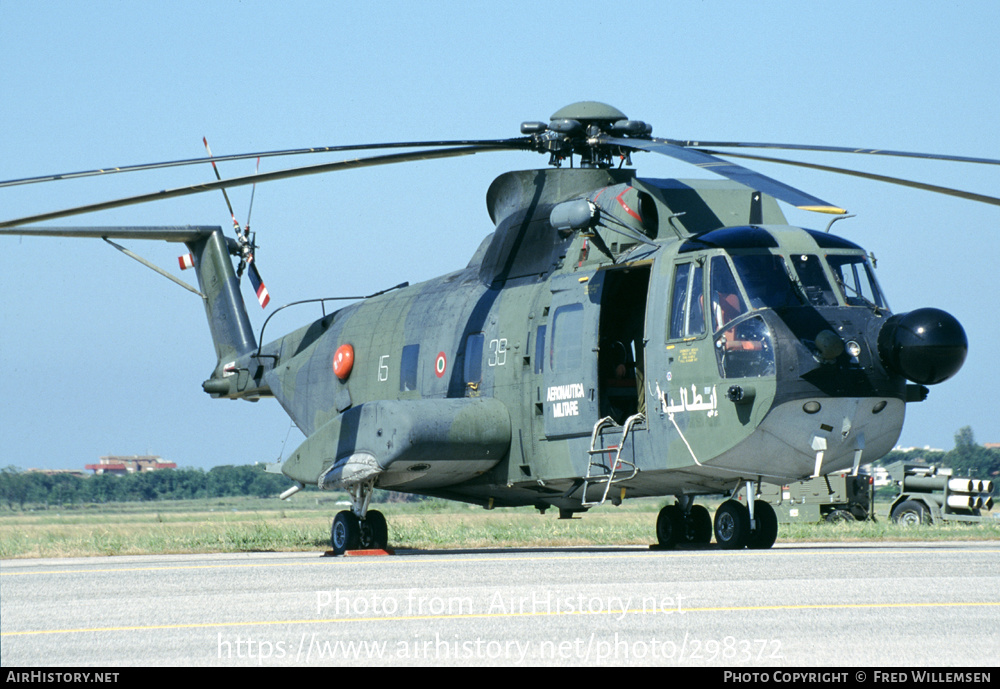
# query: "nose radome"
926,346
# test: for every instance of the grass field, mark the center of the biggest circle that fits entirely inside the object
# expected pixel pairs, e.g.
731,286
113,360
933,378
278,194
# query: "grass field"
256,525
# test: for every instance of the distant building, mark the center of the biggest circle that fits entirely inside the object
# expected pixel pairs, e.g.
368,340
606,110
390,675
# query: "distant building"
121,465
925,448
880,475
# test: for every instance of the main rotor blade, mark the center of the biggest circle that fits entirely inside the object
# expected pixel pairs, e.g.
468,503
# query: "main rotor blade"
500,143
703,145
971,196
255,178
737,173
169,233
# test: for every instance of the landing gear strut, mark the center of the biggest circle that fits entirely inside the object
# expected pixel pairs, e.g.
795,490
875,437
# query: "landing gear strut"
359,528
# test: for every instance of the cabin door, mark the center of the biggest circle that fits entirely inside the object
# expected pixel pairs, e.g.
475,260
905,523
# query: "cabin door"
569,396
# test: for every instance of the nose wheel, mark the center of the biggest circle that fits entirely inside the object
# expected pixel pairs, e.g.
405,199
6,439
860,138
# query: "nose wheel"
351,533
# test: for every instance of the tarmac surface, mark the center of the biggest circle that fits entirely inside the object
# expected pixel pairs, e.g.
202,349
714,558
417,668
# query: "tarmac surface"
857,606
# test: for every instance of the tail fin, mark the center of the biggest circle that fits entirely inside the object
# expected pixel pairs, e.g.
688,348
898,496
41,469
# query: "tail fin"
227,315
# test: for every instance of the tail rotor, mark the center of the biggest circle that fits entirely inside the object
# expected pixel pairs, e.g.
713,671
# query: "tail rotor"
246,241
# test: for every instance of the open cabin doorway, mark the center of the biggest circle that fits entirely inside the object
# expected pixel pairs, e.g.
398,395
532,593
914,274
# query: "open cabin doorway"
620,361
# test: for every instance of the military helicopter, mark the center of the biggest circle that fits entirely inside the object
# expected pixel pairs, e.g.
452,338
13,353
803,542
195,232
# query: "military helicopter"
615,337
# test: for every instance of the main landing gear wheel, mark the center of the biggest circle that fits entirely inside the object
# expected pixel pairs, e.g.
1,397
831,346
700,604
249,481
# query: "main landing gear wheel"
698,525
764,535
674,525
732,525
670,526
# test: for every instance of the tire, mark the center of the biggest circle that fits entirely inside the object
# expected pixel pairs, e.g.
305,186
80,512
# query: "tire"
698,525
374,531
860,513
911,513
766,533
732,525
839,516
669,526
345,534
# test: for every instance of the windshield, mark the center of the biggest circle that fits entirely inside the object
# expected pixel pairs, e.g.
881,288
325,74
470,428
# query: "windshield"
855,279
767,282
774,282
813,280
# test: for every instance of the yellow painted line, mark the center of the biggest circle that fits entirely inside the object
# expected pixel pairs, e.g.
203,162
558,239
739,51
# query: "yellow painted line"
503,615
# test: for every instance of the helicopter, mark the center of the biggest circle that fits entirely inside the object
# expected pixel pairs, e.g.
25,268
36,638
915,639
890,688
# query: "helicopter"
615,337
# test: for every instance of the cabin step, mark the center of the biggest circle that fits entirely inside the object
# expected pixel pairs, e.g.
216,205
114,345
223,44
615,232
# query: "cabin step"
619,469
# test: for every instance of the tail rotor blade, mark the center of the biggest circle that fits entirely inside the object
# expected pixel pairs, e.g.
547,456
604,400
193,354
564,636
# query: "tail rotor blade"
218,176
253,191
258,285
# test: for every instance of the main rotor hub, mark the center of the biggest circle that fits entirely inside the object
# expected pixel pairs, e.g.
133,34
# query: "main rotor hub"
590,112
579,128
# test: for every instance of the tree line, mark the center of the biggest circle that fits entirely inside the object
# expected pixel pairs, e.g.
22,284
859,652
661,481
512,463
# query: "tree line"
966,459
19,488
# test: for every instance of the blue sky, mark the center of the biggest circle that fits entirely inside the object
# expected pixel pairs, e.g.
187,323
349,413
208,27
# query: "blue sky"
101,356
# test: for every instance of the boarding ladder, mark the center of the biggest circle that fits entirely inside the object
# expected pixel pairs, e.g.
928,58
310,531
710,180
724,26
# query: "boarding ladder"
597,471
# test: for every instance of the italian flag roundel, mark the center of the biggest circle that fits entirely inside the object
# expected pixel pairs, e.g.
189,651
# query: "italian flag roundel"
440,364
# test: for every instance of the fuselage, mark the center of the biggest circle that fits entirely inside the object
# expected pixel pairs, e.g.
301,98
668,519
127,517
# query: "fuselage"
740,375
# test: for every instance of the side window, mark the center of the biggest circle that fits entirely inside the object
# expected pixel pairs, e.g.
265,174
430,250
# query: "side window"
678,301
746,349
727,302
566,350
474,358
687,303
408,368
696,305
540,349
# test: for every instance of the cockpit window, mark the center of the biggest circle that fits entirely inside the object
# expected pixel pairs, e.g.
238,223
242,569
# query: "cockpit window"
767,281
855,279
687,310
727,303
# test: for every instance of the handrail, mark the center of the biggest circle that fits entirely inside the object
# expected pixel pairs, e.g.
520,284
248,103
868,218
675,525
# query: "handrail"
322,300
